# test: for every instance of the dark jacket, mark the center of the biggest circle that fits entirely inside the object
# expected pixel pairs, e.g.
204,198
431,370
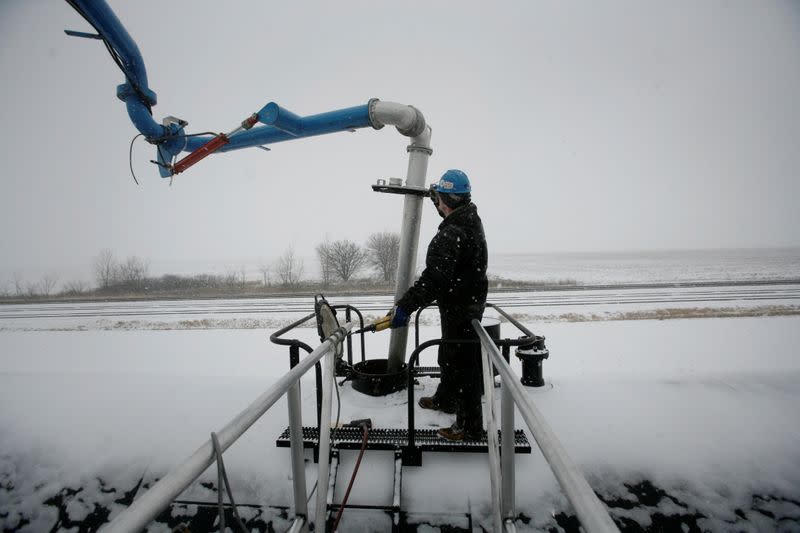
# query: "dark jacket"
455,268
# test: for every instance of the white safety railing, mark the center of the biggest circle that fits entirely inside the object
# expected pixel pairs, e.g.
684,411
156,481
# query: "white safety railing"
591,512
145,509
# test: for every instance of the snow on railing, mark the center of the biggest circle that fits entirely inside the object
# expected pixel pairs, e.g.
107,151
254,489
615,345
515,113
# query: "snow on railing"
154,501
592,514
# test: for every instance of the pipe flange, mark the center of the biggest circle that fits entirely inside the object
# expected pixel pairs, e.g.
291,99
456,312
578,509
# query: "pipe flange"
371,110
417,127
422,149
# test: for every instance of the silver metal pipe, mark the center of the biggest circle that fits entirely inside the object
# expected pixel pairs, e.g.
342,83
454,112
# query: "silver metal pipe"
398,486
509,526
398,477
507,452
491,438
419,153
296,442
408,119
151,503
324,443
591,512
332,478
298,526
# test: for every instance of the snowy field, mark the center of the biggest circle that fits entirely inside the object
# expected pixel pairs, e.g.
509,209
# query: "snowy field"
689,424
672,266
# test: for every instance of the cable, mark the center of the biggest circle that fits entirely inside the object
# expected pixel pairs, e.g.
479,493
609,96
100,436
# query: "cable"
353,477
163,138
338,411
313,489
130,157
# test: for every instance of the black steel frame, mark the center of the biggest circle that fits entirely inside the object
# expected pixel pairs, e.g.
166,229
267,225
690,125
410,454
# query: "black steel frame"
295,345
412,453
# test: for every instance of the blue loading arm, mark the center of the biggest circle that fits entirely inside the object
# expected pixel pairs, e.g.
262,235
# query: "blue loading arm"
277,124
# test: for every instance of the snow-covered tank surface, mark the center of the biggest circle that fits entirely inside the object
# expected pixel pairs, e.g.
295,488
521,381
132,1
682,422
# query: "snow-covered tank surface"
678,425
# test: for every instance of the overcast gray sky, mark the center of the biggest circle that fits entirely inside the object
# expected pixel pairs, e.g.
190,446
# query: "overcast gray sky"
584,126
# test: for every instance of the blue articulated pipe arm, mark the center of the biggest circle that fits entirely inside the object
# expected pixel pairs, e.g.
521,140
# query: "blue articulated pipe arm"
276,124
135,92
282,125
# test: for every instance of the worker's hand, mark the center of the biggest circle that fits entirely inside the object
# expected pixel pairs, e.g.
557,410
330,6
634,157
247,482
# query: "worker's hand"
400,318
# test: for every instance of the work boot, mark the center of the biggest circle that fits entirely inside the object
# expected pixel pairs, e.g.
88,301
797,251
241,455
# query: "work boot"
457,433
431,402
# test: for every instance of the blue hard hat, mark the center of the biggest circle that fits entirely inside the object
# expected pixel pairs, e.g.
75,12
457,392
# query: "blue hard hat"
453,182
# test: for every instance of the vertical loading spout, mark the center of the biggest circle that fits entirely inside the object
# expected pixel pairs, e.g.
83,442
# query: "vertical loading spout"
411,123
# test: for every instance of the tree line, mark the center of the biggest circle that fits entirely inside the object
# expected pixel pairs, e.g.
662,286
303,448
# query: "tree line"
340,262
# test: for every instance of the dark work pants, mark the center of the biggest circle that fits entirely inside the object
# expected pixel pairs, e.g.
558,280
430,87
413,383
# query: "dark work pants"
461,369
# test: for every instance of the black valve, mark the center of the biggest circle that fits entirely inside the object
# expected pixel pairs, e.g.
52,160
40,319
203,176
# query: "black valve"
532,356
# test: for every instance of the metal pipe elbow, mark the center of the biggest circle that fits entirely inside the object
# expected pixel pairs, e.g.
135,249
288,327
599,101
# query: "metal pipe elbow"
408,119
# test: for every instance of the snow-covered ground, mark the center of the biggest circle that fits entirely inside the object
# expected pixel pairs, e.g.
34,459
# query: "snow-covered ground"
675,422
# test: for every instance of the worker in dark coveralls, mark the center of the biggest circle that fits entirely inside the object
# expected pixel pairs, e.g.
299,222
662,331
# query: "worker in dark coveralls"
454,277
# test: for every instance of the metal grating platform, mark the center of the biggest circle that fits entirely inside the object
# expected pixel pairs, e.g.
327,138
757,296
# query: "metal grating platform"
426,440
433,371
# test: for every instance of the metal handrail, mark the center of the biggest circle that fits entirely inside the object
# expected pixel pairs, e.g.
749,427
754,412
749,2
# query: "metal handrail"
324,468
297,525
492,444
275,338
521,341
154,501
592,514
348,317
295,345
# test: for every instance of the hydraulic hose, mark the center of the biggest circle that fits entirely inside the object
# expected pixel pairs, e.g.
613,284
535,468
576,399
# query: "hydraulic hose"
365,427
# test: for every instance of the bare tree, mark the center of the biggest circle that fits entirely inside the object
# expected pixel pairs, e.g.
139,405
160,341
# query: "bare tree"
289,268
231,279
47,284
133,273
105,268
74,288
265,270
243,277
32,290
324,254
383,250
19,284
347,258
4,292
